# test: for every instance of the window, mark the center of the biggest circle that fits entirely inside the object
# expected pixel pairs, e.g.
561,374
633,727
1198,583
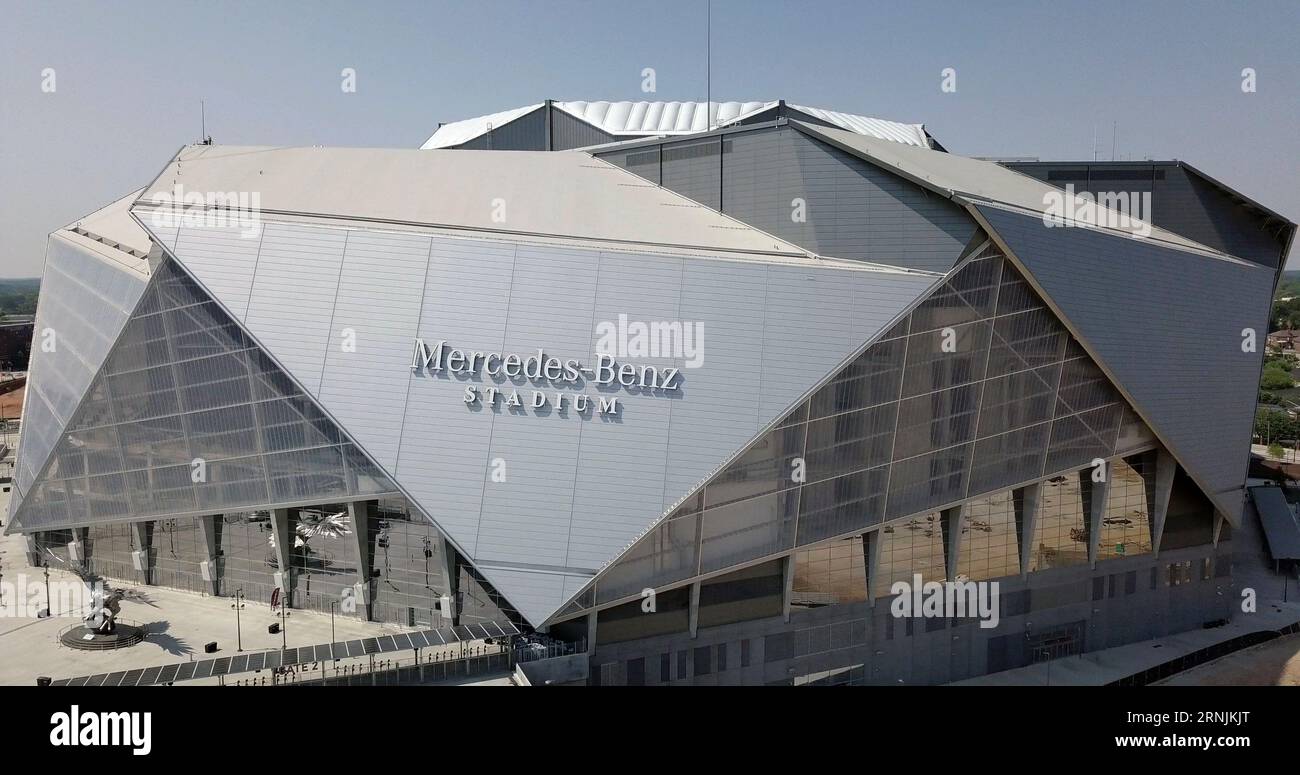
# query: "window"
722,657
744,653
681,665
636,672
703,661
665,668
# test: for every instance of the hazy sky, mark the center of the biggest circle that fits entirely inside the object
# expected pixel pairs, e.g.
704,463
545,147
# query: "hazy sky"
1033,79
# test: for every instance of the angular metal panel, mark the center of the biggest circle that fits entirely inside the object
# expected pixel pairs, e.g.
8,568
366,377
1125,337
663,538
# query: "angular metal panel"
1169,326
224,258
371,342
85,301
463,305
291,303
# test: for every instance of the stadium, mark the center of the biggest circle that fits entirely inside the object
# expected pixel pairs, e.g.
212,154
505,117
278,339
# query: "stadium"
696,386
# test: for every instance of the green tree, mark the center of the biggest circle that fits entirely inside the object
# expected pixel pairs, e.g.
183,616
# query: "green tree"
1276,378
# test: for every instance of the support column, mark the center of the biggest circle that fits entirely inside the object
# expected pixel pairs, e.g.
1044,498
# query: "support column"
451,599
210,547
141,558
77,546
695,608
1164,486
1025,501
32,550
550,131
950,529
875,542
591,632
1219,519
787,585
1094,499
360,513
280,528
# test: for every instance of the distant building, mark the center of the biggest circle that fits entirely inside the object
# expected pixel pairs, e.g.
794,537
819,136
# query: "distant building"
1284,340
15,345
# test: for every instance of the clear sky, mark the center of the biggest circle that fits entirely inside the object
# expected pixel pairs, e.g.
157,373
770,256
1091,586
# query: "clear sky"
1033,79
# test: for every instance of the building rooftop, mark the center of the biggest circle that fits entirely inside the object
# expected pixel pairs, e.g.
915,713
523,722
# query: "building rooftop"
568,196
645,119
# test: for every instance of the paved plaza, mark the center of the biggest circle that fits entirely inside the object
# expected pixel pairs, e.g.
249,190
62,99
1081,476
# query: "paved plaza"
179,624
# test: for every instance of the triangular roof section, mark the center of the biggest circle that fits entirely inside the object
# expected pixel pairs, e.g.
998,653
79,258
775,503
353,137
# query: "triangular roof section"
973,180
1182,357
456,132
626,119
559,195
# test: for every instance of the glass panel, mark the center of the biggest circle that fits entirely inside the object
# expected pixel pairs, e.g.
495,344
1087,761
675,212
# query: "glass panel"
829,574
668,554
747,530
1061,534
184,418
989,548
910,547
842,505
954,432
1126,525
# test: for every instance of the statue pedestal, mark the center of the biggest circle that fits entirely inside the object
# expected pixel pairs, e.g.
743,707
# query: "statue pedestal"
85,637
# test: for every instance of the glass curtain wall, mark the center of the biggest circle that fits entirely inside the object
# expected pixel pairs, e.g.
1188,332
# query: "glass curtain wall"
980,389
188,416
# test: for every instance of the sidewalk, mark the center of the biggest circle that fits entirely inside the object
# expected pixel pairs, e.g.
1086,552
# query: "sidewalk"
179,624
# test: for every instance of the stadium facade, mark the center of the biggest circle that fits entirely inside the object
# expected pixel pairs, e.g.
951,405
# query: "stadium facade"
699,395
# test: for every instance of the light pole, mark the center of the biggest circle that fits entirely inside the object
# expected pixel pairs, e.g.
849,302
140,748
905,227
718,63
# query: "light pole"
238,605
284,632
49,606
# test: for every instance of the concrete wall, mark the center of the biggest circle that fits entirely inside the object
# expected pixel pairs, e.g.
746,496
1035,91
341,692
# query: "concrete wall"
1111,606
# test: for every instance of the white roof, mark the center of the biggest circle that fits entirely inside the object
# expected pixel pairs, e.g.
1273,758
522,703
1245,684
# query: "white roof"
642,119
565,194
111,233
458,132
908,134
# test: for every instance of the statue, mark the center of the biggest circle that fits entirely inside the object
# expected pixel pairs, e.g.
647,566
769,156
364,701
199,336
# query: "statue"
104,608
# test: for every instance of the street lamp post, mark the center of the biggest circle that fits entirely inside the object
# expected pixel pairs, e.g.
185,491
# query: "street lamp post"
238,605
284,632
49,605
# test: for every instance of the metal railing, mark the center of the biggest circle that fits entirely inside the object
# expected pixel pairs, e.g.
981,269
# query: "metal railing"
473,661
